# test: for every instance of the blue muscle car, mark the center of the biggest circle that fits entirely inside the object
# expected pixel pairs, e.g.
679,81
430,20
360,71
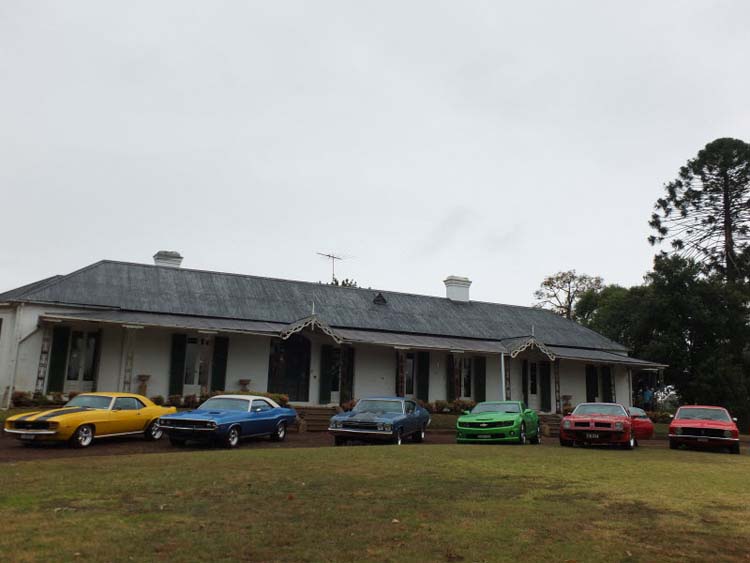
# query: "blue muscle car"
390,419
227,419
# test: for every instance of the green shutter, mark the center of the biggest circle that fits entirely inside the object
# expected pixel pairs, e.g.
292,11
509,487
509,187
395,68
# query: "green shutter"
326,358
480,379
177,363
450,378
346,386
58,359
423,376
219,364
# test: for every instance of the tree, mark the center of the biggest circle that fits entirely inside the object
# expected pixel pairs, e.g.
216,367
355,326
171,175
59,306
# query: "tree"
346,282
705,214
560,291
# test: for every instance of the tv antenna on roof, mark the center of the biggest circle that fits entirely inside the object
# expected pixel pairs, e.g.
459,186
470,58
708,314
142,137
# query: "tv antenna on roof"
332,257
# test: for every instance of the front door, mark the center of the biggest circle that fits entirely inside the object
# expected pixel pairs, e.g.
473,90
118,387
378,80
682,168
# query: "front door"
592,384
197,366
289,368
545,387
83,358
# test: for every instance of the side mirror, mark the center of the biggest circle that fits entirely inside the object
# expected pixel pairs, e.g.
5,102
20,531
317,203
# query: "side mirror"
734,418
528,411
467,412
671,416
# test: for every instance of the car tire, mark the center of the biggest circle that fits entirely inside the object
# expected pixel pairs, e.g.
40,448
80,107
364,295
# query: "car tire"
153,432
398,437
522,434
673,445
178,442
280,434
631,443
418,436
83,437
339,441
232,439
735,449
537,439
566,443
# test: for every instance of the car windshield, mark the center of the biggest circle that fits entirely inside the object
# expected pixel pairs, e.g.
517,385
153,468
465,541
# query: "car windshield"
90,401
496,407
376,406
702,414
638,413
599,408
225,404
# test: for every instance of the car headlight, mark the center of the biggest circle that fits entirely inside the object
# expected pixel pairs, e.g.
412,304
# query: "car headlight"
727,433
619,426
566,424
387,427
338,424
212,424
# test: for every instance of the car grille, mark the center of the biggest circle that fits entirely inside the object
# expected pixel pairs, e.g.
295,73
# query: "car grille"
495,436
581,424
602,425
356,425
30,425
486,424
708,432
182,423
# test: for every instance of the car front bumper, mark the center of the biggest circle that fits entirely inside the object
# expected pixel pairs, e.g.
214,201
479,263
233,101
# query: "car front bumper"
703,441
34,435
365,435
498,434
595,436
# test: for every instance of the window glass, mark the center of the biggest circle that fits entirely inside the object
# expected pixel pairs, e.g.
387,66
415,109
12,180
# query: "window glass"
197,361
409,367
225,404
638,413
410,407
127,404
700,413
260,405
466,377
606,409
509,407
90,401
377,406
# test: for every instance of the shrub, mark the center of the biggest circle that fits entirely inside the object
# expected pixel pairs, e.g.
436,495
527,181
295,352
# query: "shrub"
190,401
441,407
57,398
174,400
40,399
347,406
460,405
21,399
73,394
157,400
659,416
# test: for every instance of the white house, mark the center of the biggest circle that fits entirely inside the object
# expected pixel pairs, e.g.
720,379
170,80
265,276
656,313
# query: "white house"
168,330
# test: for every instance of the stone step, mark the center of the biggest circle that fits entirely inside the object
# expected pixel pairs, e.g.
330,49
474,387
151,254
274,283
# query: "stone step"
315,418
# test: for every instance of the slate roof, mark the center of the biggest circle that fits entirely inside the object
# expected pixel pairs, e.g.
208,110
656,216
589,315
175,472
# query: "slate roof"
182,291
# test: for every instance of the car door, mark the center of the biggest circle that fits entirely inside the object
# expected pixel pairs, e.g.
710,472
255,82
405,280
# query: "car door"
411,420
126,415
641,423
262,416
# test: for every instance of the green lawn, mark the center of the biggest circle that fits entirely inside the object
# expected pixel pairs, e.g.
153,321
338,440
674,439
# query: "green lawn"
380,503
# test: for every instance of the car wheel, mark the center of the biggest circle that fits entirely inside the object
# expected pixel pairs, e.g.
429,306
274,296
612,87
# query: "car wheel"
339,441
398,437
673,445
153,432
83,436
418,436
179,442
280,433
735,449
522,434
566,443
631,443
537,439
232,439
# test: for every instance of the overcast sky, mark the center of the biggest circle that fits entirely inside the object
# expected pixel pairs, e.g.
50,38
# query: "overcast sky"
498,141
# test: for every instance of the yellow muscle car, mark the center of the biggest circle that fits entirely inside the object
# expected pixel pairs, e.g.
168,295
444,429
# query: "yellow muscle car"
88,416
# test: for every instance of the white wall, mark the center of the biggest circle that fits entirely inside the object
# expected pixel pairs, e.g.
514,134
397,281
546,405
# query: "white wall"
573,381
110,357
248,359
494,379
374,371
622,386
7,338
438,382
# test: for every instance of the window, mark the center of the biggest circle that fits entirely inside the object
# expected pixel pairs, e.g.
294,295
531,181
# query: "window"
410,365
532,378
260,405
197,361
466,377
410,407
82,356
127,404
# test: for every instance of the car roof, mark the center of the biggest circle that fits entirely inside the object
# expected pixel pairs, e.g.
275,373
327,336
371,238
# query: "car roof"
497,402
387,399
112,394
702,407
245,398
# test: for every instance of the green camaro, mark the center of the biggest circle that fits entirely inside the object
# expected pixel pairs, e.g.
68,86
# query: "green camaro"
499,421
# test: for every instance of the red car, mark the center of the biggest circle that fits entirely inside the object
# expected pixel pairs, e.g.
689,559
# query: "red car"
704,427
642,425
598,423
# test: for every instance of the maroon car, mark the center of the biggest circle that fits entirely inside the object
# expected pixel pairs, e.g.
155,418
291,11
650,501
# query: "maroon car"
642,424
598,424
704,427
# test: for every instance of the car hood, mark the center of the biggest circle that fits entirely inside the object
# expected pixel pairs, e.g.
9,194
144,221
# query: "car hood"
695,423
52,414
205,415
489,417
368,416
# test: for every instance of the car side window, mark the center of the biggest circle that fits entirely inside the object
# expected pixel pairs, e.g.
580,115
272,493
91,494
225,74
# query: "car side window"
127,404
410,407
260,406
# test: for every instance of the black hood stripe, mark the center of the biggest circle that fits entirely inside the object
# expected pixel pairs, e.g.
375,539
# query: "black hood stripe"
25,416
69,410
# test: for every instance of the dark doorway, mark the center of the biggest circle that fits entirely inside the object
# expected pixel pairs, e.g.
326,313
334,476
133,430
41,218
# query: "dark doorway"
289,367
545,383
336,374
525,381
592,384
607,384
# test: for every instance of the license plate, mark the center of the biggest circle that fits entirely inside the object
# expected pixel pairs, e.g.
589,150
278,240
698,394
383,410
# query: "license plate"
703,439
483,436
592,435
27,436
